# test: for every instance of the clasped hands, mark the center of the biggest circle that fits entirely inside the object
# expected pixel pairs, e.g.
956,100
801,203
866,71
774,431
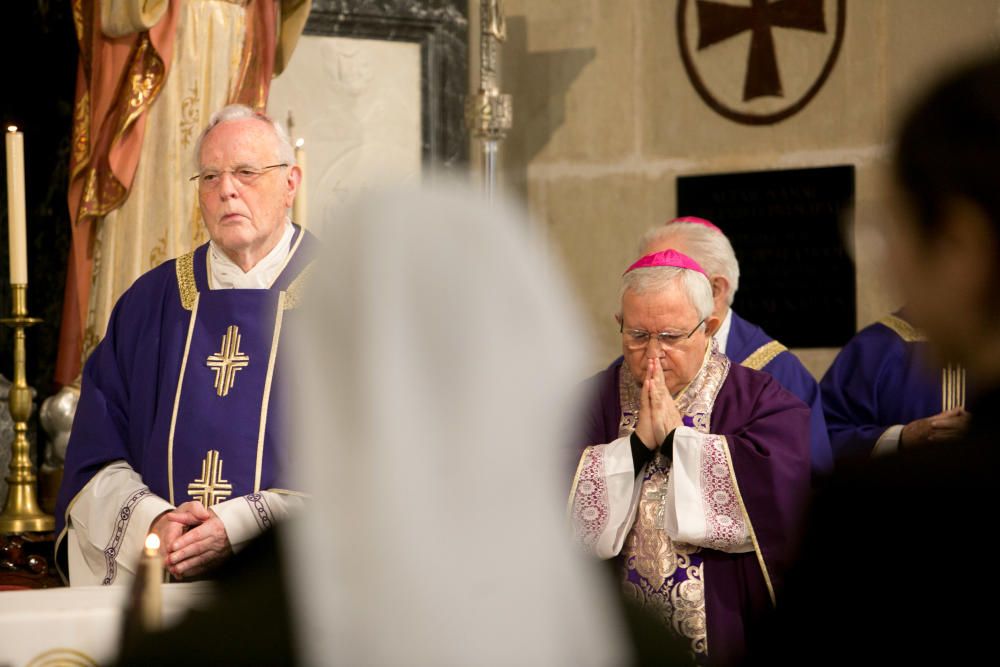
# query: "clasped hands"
193,539
658,414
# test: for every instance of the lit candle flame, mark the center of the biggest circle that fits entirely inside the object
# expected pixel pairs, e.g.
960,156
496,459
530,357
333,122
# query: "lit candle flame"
12,128
300,143
153,542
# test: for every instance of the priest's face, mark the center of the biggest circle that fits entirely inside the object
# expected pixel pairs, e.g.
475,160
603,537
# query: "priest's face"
666,310
245,215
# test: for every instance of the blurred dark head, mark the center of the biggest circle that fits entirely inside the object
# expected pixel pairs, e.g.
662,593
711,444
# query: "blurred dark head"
945,242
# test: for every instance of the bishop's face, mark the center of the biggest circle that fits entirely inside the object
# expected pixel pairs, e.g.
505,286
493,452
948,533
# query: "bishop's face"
246,219
666,310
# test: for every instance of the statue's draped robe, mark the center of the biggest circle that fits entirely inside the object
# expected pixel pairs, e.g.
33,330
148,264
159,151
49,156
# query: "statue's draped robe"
161,408
702,540
880,381
150,75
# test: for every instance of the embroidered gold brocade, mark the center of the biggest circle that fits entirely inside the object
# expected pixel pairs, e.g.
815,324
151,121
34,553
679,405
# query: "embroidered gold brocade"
185,280
763,355
145,78
648,549
81,135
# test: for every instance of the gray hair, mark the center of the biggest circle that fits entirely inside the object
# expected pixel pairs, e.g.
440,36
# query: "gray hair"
656,278
239,112
710,248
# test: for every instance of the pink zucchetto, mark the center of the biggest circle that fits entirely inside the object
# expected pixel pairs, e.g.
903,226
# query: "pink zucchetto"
696,221
668,257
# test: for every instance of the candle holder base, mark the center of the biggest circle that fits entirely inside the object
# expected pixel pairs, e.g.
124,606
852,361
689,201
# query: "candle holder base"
26,516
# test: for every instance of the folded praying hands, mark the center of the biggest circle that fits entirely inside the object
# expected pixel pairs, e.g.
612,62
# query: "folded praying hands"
658,414
193,539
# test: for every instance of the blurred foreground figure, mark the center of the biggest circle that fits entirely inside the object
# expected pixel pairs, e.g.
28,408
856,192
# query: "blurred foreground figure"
896,567
432,394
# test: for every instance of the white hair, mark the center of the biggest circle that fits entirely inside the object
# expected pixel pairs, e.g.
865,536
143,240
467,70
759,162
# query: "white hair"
239,112
657,278
710,248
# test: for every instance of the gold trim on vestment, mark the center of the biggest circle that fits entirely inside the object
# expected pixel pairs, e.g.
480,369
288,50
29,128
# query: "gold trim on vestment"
903,329
288,258
177,396
186,285
763,355
278,316
208,267
746,517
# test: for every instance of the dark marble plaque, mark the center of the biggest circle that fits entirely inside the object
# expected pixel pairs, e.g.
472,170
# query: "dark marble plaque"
796,278
441,29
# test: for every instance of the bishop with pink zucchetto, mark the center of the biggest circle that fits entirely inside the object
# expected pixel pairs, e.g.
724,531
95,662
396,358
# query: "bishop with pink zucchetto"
693,471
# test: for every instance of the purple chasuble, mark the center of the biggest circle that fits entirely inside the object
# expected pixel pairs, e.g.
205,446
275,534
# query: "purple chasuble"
766,430
185,386
882,378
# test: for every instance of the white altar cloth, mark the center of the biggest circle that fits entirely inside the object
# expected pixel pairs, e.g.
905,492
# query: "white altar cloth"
78,626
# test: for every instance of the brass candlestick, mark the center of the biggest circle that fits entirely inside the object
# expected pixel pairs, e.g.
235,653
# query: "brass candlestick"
21,513
489,113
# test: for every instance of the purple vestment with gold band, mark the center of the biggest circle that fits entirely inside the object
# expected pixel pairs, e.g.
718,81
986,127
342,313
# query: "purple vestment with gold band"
184,387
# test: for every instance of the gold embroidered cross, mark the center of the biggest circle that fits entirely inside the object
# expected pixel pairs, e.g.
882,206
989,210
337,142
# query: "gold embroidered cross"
227,361
210,488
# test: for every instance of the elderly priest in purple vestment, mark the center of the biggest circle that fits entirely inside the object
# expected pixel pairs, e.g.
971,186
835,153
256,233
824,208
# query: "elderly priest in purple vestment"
178,429
693,470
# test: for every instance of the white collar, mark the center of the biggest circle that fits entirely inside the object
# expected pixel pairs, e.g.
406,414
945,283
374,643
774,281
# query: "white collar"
225,274
722,335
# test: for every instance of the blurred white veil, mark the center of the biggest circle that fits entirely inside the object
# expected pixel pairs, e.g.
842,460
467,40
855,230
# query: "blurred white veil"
437,367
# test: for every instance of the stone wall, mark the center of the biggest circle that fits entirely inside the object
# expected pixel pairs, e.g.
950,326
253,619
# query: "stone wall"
606,118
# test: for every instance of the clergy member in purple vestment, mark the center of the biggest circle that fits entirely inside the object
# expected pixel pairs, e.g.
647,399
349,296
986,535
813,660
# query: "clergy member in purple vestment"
884,392
743,342
178,429
694,471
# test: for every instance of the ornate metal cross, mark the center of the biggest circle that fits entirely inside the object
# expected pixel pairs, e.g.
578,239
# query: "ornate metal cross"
210,488
227,361
718,22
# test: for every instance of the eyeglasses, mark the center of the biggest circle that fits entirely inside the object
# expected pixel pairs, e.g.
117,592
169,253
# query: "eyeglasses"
637,339
244,175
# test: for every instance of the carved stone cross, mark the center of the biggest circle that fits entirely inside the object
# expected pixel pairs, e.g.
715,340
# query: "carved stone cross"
718,22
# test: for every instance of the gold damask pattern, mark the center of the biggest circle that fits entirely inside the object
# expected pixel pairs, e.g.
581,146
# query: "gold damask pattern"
158,254
763,355
190,117
670,575
81,134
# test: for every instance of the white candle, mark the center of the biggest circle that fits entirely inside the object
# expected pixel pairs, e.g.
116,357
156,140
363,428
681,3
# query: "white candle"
16,215
299,207
151,601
